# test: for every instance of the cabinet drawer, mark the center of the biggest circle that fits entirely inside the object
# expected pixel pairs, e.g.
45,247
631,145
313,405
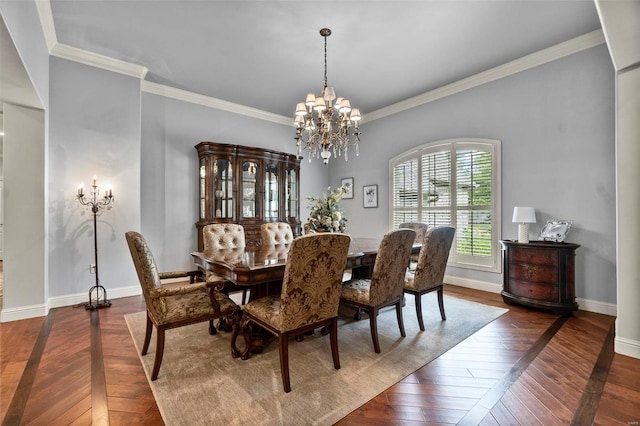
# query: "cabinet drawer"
537,256
543,292
544,274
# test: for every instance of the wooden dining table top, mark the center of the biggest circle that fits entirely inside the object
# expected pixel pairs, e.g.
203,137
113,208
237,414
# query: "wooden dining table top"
253,265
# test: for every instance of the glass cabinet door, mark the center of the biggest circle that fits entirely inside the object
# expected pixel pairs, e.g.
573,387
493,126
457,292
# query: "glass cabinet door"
201,188
292,193
249,186
223,189
271,192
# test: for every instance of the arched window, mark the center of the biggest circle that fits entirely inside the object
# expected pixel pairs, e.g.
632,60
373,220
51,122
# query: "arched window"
454,182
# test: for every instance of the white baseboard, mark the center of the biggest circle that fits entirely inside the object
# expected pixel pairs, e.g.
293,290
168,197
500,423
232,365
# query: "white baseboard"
23,312
627,347
474,284
75,299
597,307
584,304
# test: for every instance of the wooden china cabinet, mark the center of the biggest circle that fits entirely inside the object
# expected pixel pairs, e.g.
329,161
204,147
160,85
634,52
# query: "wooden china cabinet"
248,186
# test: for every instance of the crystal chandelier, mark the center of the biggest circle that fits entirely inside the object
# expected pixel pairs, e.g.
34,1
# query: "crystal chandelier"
322,125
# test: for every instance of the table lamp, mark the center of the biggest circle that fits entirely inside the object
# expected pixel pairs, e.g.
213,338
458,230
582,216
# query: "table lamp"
523,216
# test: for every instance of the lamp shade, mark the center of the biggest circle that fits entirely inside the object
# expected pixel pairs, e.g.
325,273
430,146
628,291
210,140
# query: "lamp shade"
524,215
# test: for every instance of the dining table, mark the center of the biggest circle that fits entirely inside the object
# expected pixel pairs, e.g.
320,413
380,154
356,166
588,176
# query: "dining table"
261,268
254,266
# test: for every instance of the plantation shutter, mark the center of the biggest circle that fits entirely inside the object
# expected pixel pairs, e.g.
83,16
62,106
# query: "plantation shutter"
473,203
436,188
405,192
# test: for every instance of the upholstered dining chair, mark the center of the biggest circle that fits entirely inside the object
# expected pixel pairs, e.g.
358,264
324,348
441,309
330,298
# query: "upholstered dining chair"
421,231
173,305
429,273
217,236
385,286
276,233
309,299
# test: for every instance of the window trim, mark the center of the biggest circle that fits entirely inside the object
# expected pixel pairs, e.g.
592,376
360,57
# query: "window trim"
454,145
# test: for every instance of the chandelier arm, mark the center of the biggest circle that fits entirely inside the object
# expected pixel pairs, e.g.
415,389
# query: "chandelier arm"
318,132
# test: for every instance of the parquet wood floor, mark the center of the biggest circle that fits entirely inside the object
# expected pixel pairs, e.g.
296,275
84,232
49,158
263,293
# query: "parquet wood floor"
528,367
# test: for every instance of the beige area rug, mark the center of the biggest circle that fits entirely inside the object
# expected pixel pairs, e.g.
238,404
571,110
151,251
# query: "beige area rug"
201,384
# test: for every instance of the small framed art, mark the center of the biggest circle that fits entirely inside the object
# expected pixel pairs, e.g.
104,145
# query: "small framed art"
370,196
347,183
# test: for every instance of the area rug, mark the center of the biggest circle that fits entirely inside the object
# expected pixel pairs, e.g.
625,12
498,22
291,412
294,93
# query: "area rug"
201,384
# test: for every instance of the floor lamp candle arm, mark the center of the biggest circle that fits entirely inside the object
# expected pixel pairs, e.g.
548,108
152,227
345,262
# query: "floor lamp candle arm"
97,206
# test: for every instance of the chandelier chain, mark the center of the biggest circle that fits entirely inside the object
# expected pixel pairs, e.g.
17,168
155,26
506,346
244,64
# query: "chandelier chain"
325,61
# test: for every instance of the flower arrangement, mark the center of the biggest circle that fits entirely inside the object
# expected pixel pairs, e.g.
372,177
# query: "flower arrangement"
325,214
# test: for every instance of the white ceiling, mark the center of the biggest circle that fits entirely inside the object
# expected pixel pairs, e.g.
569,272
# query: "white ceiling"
269,54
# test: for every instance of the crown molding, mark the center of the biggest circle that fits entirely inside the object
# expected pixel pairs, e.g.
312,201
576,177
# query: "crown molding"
46,21
558,51
99,61
207,101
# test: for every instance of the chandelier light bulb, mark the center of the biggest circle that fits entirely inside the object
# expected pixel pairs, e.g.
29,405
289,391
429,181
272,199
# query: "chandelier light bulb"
323,125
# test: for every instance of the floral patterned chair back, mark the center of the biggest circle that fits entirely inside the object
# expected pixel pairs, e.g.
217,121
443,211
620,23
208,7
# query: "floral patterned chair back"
148,275
433,257
387,279
275,233
223,235
313,279
420,228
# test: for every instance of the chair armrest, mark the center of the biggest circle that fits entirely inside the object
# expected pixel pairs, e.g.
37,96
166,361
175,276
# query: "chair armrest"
178,290
181,274
216,282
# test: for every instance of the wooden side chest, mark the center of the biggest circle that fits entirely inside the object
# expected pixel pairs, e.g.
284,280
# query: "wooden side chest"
540,274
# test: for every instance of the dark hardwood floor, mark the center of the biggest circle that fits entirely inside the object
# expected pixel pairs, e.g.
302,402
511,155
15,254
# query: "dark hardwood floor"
527,367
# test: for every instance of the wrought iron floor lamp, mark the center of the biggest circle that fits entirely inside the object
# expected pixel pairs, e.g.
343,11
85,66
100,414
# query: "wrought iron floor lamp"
97,205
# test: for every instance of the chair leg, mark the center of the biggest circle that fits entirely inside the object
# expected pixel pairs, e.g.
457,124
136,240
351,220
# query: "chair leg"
245,326
159,353
373,324
400,320
212,327
358,315
244,297
419,310
333,337
284,361
441,303
147,336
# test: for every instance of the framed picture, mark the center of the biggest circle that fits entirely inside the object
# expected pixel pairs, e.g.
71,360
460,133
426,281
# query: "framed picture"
370,196
347,183
555,230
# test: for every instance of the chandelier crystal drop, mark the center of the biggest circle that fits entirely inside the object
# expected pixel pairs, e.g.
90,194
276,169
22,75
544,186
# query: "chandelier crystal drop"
324,126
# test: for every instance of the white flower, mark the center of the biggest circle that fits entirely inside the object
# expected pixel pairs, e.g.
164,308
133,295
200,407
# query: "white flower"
325,214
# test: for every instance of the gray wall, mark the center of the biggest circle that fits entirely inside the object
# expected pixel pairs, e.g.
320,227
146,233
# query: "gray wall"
24,208
556,124
169,169
94,130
